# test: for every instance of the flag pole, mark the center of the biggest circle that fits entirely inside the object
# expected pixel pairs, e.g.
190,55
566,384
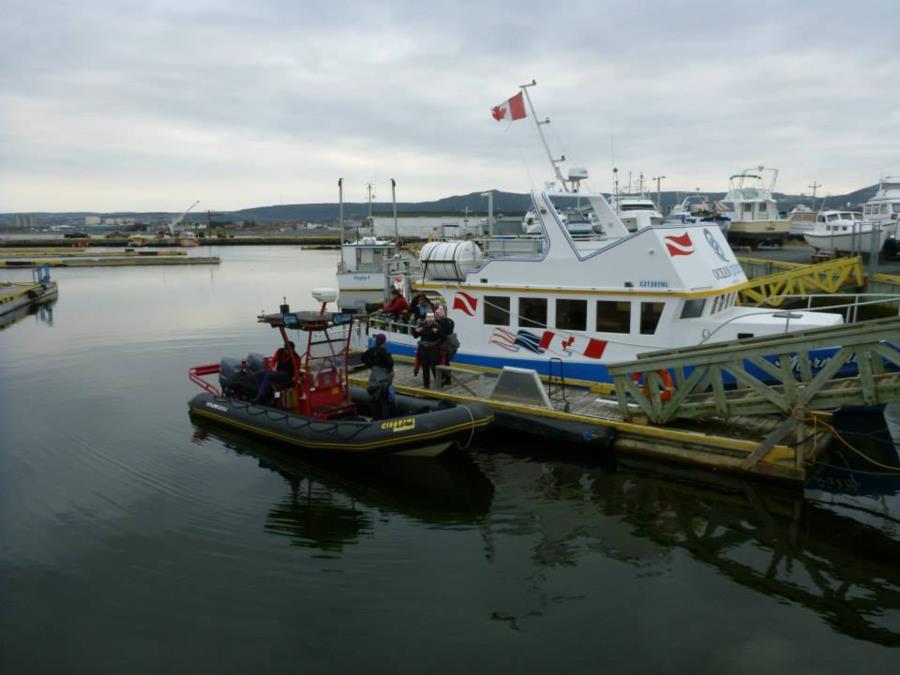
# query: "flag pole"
396,225
553,162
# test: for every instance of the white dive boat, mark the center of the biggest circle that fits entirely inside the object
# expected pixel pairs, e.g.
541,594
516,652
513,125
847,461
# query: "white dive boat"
801,220
590,303
577,304
752,208
846,231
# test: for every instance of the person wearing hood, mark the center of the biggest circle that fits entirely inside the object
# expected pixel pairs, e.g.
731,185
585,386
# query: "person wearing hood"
381,377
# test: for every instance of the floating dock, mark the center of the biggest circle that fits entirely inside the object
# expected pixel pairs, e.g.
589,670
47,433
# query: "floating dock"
108,261
16,295
590,420
759,406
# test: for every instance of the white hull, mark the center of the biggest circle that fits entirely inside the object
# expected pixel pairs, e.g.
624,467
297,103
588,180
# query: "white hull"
848,242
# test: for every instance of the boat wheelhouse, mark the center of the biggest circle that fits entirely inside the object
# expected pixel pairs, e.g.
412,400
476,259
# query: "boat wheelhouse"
801,220
752,209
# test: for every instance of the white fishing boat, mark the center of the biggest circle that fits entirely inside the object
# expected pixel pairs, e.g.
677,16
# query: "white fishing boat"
752,209
363,273
846,232
884,207
636,211
801,220
698,209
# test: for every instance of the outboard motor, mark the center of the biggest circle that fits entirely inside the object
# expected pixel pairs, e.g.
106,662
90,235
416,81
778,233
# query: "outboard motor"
235,380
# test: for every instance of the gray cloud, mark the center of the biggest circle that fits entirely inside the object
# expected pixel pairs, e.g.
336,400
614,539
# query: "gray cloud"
111,105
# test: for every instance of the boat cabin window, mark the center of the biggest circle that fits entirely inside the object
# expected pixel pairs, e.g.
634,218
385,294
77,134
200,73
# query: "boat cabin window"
571,314
496,310
763,210
650,313
613,316
693,308
748,208
728,206
885,208
896,206
533,312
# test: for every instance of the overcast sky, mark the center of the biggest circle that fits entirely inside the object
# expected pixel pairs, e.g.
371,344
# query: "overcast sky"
154,104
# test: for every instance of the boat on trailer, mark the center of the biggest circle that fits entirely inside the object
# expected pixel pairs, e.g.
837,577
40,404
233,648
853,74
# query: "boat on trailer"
319,410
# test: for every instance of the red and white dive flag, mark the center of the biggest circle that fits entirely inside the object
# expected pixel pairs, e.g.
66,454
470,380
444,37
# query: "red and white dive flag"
509,110
681,245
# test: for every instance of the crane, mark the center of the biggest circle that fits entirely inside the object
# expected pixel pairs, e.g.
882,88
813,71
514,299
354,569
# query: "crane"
170,228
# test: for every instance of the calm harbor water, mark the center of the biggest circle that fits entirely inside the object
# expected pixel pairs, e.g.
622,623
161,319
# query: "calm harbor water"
132,540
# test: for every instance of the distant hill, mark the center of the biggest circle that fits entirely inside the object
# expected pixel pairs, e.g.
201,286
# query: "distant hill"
505,203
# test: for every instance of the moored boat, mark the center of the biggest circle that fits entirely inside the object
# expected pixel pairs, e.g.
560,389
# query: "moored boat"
318,409
752,209
846,232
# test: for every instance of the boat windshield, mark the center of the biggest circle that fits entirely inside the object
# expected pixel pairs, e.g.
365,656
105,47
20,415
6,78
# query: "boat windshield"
896,206
637,207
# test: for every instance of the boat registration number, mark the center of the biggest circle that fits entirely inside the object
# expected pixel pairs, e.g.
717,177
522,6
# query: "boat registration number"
400,425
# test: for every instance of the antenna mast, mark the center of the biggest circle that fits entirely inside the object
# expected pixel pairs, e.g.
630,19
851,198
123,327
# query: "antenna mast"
554,162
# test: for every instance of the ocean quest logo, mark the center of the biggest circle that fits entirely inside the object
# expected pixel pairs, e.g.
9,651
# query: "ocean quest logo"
715,245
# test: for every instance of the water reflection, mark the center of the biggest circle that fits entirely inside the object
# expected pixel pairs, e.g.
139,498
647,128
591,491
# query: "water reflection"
774,541
332,502
43,314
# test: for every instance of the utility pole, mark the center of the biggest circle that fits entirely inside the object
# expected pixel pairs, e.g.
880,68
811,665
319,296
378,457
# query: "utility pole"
658,179
616,187
396,224
369,188
815,186
341,202
490,198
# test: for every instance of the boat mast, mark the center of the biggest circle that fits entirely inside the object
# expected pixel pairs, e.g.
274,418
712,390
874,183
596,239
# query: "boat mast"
554,162
396,225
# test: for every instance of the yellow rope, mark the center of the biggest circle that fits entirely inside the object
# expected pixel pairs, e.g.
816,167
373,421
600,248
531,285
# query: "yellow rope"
837,435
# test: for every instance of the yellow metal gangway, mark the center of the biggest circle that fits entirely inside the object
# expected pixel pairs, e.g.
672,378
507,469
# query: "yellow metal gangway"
797,279
788,374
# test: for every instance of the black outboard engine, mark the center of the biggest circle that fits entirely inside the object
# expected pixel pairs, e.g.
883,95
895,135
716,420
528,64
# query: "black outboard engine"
236,380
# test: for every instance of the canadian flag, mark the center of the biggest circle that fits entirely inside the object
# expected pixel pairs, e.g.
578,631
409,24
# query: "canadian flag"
568,344
511,109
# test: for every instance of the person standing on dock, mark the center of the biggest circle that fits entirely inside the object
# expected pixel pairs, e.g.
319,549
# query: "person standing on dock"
428,354
381,377
449,341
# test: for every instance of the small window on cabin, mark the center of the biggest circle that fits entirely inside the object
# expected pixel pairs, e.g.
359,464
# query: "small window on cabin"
650,313
613,316
763,210
885,208
496,310
366,256
744,336
717,305
533,312
748,208
896,207
693,308
571,314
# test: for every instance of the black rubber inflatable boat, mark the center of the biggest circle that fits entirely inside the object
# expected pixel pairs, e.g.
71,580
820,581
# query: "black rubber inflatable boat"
311,404
421,427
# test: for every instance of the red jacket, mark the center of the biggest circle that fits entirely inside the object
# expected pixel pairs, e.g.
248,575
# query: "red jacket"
396,307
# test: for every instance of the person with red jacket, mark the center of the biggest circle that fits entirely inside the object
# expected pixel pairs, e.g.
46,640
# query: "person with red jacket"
398,306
